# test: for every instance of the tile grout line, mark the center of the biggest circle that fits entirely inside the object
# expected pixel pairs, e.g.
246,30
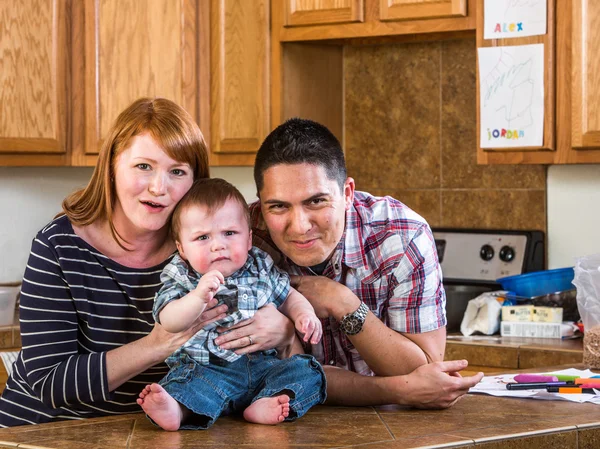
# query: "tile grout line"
130,436
441,136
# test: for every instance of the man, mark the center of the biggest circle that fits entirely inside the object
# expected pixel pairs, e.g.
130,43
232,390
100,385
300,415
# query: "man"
369,267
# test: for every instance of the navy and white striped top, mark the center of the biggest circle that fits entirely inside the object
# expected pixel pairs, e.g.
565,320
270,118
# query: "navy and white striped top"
76,304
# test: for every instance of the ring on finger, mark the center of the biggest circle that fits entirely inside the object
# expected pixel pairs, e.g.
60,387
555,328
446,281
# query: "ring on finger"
251,341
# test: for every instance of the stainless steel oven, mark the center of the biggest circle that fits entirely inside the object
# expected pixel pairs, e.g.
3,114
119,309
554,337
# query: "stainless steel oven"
472,260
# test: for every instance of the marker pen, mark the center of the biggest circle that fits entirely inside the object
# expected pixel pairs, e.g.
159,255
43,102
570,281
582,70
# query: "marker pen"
571,390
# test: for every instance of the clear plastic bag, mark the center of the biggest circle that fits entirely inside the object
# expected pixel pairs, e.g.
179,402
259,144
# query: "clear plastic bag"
587,281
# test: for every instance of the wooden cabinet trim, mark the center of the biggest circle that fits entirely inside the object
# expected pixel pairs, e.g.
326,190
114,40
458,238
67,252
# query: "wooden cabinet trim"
390,10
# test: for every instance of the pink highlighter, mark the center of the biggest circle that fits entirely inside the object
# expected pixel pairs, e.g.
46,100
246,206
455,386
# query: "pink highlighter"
526,378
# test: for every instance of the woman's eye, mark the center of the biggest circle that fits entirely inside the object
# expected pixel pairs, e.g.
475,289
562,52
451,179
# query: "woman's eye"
178,172
143,166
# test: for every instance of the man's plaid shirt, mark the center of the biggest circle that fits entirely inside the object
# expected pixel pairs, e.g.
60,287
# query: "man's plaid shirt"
387,257
258,283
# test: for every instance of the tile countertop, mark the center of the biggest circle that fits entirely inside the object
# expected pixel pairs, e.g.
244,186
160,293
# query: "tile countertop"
476,420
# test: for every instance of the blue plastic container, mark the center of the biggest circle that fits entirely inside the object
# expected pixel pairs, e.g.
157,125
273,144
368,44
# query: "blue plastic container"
539,282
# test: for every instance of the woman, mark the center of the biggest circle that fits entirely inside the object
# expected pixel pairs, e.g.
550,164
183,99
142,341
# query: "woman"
89,341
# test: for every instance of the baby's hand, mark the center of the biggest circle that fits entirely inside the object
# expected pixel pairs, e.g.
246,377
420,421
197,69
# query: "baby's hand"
208,285
309,327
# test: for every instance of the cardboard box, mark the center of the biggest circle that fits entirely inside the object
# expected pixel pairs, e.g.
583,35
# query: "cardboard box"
535,330
517,313
547,314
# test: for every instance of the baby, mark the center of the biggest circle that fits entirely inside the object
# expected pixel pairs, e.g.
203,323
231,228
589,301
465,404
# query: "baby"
211,228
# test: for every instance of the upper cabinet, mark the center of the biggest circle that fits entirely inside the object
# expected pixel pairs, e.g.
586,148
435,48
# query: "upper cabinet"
239,73
585,74
305,20
34,82
132,49
69,67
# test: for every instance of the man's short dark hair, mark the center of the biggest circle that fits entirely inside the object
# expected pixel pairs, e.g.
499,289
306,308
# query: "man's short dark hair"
301,141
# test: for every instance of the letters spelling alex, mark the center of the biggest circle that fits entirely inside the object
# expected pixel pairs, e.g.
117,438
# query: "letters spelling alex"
508,27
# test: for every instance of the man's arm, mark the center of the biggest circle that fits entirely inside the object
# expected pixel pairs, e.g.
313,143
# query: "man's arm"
379,346
432,386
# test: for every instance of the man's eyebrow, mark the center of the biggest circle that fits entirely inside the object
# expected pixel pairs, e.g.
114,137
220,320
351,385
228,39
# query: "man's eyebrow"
307,200
315,196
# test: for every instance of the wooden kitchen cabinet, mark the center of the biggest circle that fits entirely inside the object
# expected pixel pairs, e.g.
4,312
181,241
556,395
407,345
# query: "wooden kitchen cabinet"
240,79
310,20
34,109
585,76
69,67
131,49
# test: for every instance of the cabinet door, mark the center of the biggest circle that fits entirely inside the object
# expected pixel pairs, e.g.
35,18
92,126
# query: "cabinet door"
34,84
239,62
585,76
315,12
421,9
135,48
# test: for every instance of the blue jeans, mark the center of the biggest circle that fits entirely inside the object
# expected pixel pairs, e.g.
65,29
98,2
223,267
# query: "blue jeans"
223,388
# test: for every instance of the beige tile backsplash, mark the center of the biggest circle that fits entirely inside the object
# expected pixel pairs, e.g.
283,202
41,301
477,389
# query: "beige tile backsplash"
410,132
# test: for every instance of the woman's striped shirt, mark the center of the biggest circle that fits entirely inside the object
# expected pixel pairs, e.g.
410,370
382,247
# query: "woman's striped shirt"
76,304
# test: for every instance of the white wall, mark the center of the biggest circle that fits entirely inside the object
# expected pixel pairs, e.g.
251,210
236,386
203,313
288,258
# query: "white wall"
573,213
30,197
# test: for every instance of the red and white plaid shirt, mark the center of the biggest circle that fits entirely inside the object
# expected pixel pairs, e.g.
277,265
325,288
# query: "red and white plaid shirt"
387,257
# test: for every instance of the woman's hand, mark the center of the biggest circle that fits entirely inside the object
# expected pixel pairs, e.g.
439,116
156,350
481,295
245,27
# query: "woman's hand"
168,342
267,329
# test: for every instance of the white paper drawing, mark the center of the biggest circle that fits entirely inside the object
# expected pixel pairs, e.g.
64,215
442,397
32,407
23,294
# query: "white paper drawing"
514,18
511,96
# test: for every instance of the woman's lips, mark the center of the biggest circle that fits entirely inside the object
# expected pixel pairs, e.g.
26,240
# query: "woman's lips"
152,206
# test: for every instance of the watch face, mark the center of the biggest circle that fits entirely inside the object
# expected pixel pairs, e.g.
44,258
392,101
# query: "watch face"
352,326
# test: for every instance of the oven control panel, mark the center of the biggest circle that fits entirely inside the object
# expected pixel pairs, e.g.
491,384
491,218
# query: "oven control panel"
480,256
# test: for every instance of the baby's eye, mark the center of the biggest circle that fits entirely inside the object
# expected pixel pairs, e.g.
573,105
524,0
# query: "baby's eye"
229,233
203,237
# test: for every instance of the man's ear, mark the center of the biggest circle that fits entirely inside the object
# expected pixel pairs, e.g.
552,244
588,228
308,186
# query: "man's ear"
349,192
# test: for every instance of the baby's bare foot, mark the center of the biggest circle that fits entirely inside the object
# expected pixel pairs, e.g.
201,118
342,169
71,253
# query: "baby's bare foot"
268,410
161,407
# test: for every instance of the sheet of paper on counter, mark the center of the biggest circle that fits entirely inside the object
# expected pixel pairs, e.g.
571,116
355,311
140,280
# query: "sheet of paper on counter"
514,18
496,386
511,96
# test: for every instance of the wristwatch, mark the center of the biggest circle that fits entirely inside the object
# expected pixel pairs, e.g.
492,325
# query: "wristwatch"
352,323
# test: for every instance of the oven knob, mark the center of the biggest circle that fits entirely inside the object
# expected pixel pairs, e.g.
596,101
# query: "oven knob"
486,252
507,254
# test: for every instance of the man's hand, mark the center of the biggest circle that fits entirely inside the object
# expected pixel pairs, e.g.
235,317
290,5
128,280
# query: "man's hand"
267,329
309,326
435,385
328,297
